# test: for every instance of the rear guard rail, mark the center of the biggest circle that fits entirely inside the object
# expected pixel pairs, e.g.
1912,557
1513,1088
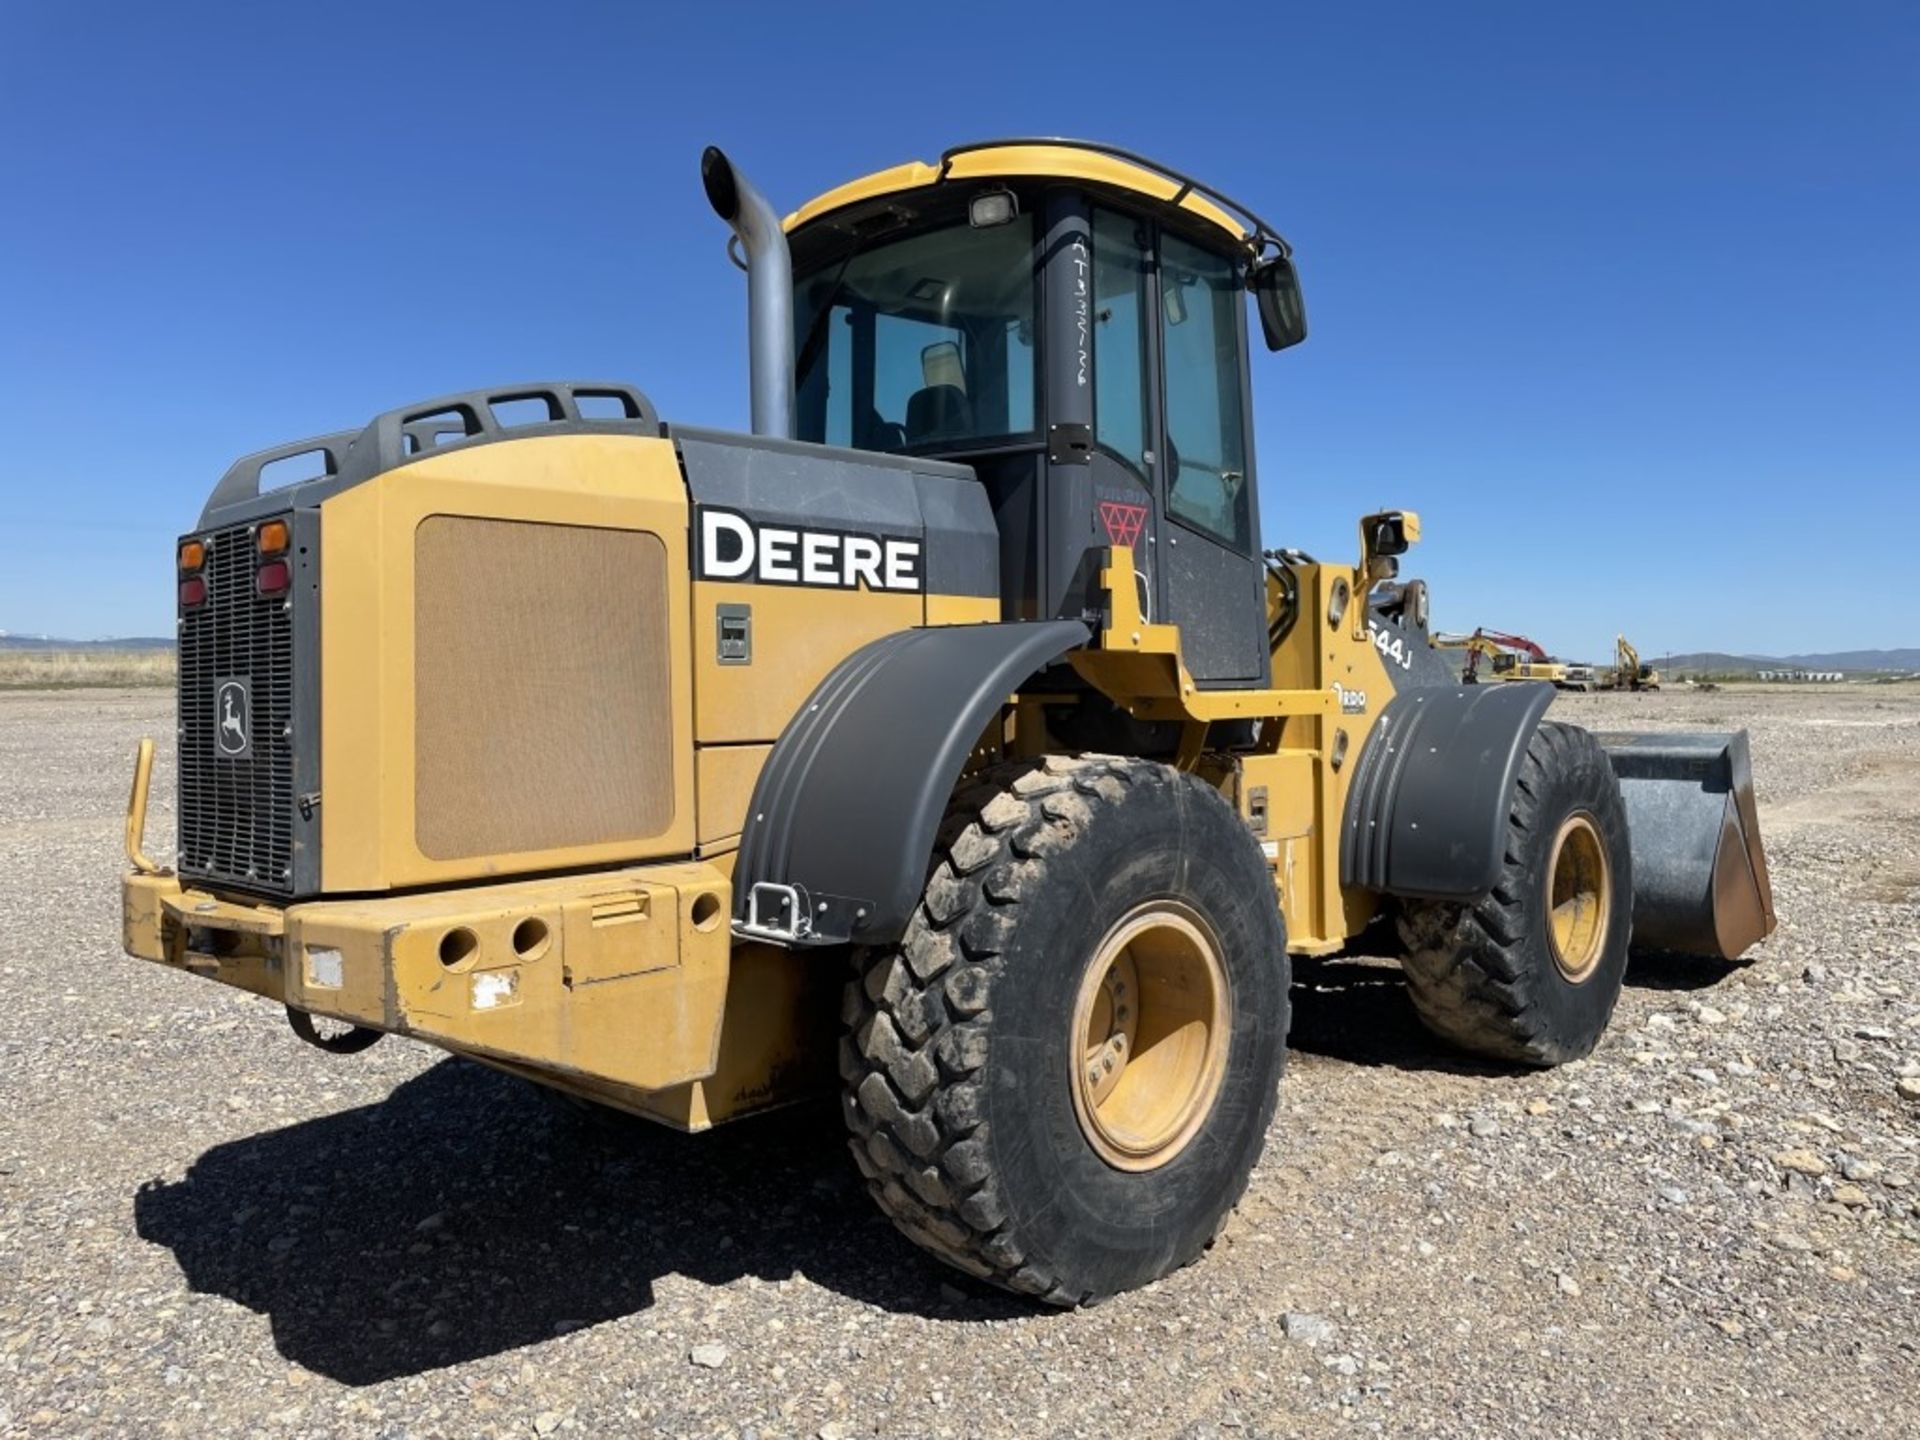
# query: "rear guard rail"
1700,884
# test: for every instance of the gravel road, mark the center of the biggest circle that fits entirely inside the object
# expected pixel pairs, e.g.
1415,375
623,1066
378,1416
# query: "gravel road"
1710,1228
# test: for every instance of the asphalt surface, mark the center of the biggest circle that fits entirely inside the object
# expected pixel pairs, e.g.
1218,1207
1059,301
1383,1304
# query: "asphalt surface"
1708,1228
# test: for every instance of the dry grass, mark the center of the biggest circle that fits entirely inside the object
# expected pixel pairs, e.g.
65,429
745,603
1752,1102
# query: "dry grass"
76,669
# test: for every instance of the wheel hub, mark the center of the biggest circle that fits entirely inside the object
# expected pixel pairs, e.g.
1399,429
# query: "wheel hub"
1149,1036
1579,897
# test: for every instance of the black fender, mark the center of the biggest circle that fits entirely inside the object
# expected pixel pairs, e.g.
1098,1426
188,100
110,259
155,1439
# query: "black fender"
844,813
1426,815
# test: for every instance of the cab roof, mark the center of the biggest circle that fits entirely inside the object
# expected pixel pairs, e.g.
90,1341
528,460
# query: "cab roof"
1055,159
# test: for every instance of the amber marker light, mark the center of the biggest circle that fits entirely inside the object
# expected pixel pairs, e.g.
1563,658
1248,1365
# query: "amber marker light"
193,555
271,538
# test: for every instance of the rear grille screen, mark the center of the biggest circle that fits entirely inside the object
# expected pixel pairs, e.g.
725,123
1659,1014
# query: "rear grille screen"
543,711
235,715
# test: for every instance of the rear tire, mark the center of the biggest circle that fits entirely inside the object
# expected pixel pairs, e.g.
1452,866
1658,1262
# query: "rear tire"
1531,971
1060,1078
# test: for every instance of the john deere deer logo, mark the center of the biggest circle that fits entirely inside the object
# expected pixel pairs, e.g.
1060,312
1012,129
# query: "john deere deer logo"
233,719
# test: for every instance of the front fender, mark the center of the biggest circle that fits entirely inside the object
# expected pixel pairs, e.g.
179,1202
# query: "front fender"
1427,813
845,810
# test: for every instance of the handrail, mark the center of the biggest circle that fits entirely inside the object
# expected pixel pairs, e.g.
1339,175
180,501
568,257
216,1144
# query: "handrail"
137,811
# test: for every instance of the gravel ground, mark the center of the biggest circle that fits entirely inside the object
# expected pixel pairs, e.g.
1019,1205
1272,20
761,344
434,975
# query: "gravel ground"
1710,1227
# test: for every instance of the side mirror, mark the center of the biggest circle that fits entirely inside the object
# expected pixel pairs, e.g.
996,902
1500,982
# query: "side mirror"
1283,312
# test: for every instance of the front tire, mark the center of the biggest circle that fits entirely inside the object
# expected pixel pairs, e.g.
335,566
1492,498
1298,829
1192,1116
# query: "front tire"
1060,1078
1531,971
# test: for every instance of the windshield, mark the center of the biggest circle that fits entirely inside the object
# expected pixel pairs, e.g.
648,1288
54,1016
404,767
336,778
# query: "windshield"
924,343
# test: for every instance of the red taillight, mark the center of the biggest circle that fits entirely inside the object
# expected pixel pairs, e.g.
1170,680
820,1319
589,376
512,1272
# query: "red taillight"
192,592
273,578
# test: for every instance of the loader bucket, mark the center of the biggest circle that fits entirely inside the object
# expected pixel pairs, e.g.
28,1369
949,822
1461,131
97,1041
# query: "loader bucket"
1700,882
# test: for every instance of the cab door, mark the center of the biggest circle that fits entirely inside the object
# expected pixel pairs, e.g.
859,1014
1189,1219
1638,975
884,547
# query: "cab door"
1210,537
1171,462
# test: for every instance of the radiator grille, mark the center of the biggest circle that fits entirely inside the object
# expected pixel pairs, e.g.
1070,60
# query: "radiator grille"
236,815
543,705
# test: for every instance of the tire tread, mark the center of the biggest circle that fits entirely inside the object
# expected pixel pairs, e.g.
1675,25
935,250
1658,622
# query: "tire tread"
1468,969
919,1013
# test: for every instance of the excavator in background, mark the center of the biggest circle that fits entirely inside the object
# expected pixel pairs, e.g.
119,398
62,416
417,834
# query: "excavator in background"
1629,673
1513,657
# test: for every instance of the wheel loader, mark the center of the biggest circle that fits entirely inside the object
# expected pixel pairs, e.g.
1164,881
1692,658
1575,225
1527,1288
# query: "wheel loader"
950,740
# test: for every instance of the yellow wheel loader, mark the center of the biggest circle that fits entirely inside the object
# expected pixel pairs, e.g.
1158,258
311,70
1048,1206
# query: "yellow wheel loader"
949,740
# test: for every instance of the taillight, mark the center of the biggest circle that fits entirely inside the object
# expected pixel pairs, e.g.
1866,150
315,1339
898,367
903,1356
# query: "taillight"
193,592
272,578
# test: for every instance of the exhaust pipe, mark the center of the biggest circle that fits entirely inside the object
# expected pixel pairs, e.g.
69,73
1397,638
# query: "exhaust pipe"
769,289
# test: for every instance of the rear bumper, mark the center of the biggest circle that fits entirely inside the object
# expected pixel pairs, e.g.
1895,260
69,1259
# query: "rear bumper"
620,976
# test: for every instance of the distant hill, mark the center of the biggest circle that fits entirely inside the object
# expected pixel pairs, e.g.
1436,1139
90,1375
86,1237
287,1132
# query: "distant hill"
1718,662
9,641
1907,658
1905,661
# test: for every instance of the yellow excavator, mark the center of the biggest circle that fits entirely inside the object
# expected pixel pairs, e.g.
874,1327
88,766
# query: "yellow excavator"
1513,657
1629,672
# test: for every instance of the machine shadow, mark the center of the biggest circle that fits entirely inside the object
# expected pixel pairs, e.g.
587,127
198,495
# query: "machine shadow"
1669,970
1355,1008
463,1216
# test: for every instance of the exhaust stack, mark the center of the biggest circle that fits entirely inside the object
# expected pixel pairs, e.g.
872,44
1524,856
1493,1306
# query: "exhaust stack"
769,289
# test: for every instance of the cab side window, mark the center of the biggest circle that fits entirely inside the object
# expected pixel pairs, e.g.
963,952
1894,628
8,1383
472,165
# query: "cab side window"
1206,424
1122,262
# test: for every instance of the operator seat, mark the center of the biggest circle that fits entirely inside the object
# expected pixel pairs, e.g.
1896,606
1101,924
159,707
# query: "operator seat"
939,412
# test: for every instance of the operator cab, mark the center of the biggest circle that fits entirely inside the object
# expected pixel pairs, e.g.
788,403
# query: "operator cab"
1069,321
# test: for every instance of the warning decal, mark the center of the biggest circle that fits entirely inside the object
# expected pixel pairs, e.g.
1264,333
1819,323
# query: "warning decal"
1122,522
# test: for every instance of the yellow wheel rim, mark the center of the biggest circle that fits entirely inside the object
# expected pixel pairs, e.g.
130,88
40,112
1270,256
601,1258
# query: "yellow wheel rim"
1579,897
1149,1036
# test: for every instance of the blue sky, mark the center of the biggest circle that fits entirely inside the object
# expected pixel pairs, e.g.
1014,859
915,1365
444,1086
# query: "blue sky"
1625,299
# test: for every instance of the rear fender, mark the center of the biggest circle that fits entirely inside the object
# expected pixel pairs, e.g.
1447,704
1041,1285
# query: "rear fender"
842,823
